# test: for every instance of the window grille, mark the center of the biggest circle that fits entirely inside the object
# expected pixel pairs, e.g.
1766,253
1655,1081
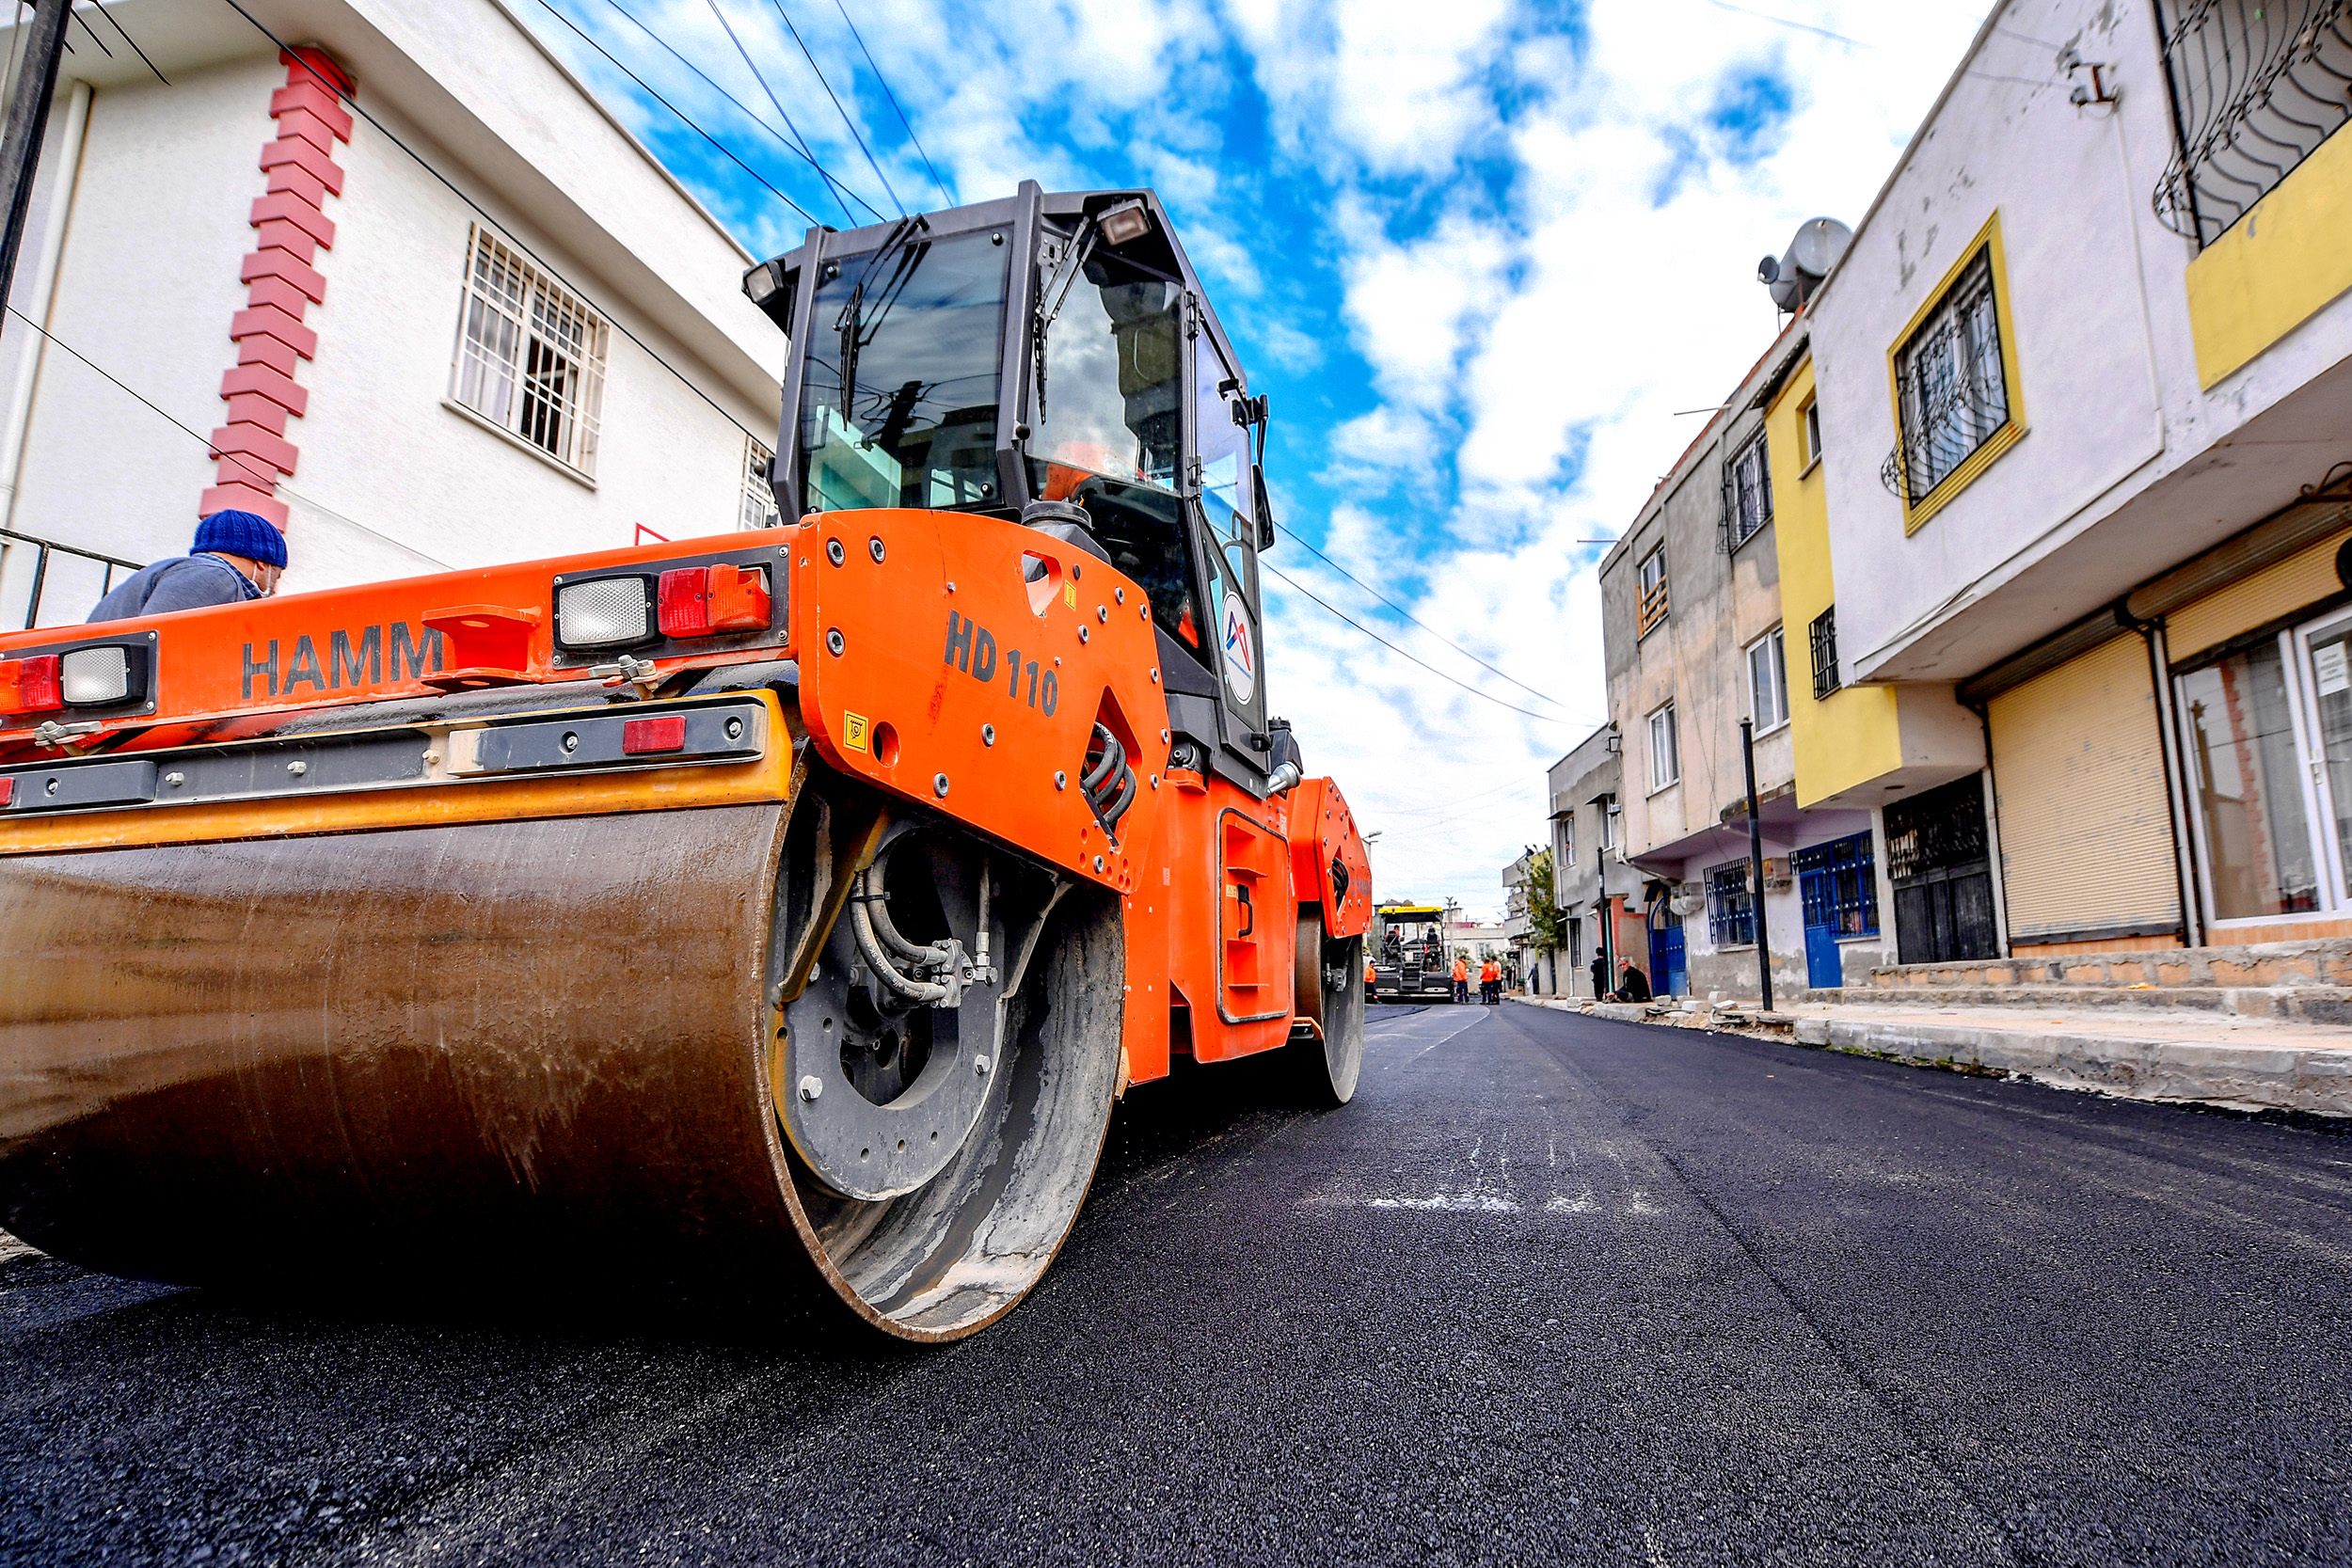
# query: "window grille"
759,497
2256,86
1652,607
1823,634
529,355
1951,393
1730,906
1747,495
1839,886
1665,761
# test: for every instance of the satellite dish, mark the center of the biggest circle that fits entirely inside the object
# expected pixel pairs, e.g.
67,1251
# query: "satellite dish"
1793,276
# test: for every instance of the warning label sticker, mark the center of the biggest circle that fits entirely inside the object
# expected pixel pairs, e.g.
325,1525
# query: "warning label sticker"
853,732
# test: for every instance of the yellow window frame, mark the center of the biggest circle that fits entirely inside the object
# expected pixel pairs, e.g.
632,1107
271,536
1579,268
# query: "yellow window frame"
1915,514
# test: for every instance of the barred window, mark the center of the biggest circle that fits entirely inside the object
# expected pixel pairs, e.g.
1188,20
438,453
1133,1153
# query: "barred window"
2255,87
1730,907
1948,379
529,355
1747,494
759,497
1823,634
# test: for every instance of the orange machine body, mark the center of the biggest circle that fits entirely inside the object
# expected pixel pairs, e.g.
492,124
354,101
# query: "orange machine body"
957,661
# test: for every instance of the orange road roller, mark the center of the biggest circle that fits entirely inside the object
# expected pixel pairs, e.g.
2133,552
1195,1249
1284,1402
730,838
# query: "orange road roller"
780,911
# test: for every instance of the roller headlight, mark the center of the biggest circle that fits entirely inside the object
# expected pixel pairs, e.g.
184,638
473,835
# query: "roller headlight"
604,612
93,677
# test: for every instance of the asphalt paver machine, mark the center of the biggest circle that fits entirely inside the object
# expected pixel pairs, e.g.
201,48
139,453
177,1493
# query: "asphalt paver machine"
776,913
1409,959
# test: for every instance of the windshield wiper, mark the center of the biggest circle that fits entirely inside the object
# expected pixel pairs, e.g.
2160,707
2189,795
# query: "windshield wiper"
850,325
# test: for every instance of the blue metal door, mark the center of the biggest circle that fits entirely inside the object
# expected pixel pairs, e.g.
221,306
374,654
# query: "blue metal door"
1668,974
1837,887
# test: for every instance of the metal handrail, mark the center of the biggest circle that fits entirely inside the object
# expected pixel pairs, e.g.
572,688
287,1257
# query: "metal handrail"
41,568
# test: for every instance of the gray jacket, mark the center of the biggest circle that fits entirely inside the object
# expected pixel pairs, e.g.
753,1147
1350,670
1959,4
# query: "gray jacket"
183,582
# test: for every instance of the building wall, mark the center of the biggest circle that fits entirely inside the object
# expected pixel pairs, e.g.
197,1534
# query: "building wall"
2277,269
388,481
2128,462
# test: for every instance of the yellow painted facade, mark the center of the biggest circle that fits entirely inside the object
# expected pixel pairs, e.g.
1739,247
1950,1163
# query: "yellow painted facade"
2275,269
1852,736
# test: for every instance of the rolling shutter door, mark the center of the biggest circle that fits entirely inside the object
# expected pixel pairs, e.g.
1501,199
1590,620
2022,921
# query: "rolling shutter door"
2086,831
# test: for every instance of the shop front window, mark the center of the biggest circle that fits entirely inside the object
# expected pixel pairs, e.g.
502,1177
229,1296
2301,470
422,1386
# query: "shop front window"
2248,784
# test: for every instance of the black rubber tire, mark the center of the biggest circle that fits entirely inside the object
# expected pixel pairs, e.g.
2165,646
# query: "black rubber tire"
1330,990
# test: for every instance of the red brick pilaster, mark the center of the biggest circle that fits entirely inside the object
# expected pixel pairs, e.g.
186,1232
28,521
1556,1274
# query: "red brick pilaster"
290,228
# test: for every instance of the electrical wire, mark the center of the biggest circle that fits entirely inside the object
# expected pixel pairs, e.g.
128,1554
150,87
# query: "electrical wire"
944,195
484,212
854,133
796,148
837,188
1424,626
683,118
134,43
1539,718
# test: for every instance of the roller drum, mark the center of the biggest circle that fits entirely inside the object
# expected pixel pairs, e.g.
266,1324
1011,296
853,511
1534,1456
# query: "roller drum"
510,1056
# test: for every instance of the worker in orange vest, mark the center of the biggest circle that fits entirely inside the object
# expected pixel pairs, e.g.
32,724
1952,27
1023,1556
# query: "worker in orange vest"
1491,982
1372,981
1461,980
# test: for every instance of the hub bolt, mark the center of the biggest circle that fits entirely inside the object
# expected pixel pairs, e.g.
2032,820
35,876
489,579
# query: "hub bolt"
980,1066
988,735
571,741
833,552
297,769
1119,593
1061,780
939,784
1100,613
1082,634
874,547
810,1086
735,729
833,642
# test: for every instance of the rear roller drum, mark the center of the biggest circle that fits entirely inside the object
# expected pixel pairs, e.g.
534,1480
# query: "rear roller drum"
1331,990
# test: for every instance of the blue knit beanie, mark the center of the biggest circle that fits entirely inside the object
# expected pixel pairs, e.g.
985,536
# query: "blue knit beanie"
241,533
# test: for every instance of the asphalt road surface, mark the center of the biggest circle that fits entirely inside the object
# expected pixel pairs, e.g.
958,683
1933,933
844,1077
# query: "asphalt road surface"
1552,1290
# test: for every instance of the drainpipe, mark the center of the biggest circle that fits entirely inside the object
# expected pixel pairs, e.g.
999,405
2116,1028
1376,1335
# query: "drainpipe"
2175,779
42,301
1756,865
1993,833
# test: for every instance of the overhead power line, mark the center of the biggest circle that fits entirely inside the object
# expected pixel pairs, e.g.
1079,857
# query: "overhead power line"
1417,621
1540,717
458,191
796,148
683,118
944,195
757,75
871,162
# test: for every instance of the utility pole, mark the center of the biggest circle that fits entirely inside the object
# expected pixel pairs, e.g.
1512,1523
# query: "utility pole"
29,122
1755,864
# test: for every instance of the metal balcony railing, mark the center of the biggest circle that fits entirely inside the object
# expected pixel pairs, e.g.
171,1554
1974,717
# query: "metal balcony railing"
2256,86
41,568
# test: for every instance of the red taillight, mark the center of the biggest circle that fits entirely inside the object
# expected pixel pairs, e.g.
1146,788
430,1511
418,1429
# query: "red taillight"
642,735
7,792
702,601
30,685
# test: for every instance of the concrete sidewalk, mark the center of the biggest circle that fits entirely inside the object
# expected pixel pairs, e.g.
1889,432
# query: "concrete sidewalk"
2247,1064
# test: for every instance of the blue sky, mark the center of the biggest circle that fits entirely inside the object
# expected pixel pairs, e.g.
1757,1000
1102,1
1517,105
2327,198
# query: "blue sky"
1478,253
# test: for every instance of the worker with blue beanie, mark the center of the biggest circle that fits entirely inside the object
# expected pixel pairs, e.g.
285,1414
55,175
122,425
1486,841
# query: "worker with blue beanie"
237,556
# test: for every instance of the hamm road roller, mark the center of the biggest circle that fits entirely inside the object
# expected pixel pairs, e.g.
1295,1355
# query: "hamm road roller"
776,914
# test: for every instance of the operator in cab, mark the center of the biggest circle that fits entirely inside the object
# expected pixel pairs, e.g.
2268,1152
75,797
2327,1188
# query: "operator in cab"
236,556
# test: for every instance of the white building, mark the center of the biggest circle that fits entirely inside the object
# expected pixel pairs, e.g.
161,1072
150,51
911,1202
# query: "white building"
448,312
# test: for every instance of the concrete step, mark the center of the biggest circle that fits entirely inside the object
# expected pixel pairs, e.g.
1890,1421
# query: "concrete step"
2314,1004
2321,961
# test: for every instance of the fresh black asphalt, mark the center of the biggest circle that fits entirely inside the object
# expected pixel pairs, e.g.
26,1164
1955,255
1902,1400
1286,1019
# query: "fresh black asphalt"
1552,1289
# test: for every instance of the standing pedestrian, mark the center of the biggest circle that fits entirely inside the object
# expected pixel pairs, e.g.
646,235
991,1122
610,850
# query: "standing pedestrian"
1489,983
236,557
1600,978
1461,980
1372,981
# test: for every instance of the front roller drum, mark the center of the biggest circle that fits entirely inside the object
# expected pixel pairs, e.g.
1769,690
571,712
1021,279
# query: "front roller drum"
544,1057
